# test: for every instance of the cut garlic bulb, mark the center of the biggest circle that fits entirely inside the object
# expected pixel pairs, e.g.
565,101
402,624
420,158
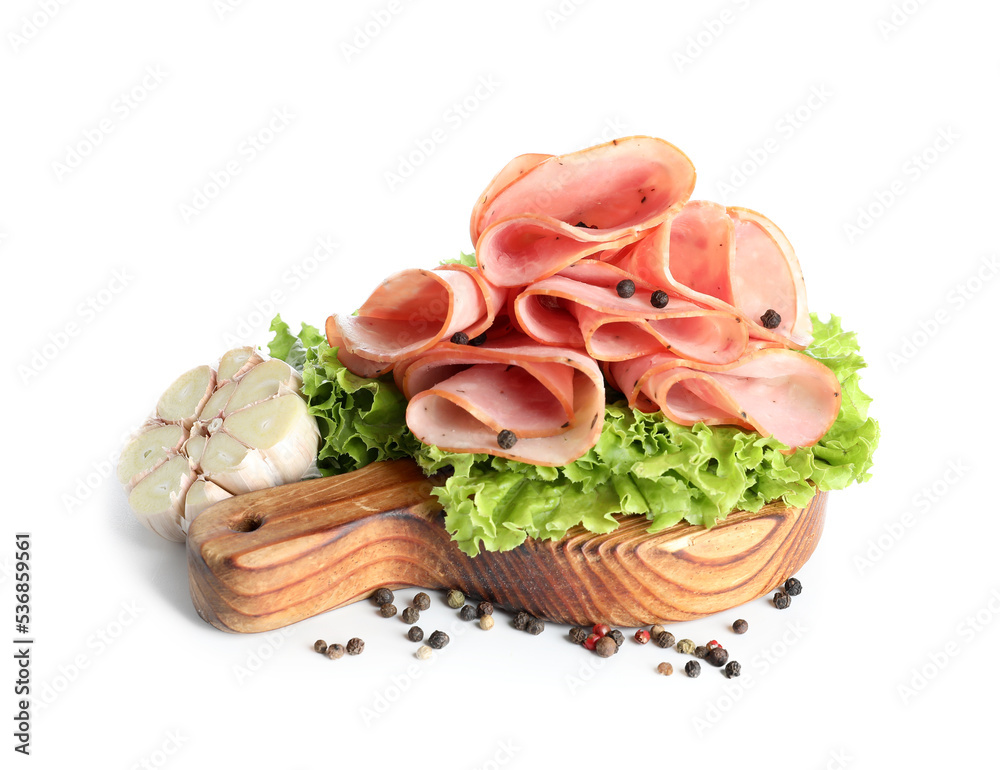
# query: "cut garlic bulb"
217,433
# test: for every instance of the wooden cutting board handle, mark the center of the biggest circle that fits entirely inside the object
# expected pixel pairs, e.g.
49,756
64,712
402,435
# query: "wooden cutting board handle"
266,559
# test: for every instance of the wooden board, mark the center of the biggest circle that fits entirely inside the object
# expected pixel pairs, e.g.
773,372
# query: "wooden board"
266,559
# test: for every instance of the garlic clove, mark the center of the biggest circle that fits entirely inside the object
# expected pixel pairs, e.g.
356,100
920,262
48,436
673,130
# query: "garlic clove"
158,498
237,362
182,402
148,450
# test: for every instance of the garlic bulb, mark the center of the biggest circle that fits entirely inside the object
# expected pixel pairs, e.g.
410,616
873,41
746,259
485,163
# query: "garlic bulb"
218,433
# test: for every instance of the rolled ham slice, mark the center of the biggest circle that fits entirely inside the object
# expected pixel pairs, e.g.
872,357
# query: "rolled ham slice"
544,213
412,311
580,307
461,397
727,257
775,391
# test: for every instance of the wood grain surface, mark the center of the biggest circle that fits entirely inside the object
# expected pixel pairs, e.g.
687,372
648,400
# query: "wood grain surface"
263,560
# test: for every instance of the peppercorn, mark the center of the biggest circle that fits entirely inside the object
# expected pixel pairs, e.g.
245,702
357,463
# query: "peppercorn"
642,636
782,600
421,601
732,669
423,652
713,644
535,627
355,646
486,622
793,587
577,635
484,608
664,639
625,288
591,641
618,636
700,651
415,634
770,319
740,626
388,610
455,598
692,668
656,630
659,299
382,596
602,629
335,651
438,639
479,340
468,612
320,646
410,615
717,656
665,668
685,646
506,439
521,620
460,338
606,647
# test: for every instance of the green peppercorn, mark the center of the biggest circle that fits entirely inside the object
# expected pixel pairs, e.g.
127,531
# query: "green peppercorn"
382,596
355,646
577,635
320,646
618,636
793,587
606,647
415,634
732,669
335,651
717,656
421,601
521,620
536,626
665,668
455,599
685,646
468,612
700,651
692,668
388,610
740,626
782,600
664,639
410,615
438,639
484,608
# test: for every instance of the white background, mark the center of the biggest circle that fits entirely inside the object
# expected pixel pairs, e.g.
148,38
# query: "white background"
866,130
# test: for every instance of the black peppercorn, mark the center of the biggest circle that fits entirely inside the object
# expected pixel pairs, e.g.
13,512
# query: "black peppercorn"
793,587
355,646
506,439
732,669
410,615
479,340
484,608
740,626
664,639
382,596
387,610
460,338
659,299
692,668
415,634
700,651
468,612
577,635
782,600
421,601
536,626
717,656
521,620
319,646
618,636
625,288
606,647
770,320
438,639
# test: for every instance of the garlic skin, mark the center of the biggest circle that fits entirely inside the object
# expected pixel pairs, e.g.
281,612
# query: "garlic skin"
217,433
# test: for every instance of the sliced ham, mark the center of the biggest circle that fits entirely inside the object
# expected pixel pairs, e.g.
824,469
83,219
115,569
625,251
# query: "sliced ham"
721,258
580,307
461,397
412,311
775,391
542,214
